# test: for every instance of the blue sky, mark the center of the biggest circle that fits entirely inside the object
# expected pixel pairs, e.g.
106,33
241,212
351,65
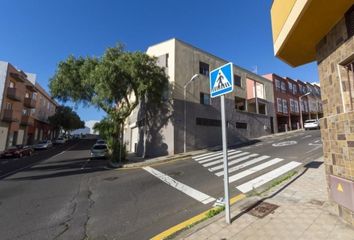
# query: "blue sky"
37,34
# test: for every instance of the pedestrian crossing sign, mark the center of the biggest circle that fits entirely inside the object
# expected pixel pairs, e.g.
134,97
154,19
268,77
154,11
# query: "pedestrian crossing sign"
221,80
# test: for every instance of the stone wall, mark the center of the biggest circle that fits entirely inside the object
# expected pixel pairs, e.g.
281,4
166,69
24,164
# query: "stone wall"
337,126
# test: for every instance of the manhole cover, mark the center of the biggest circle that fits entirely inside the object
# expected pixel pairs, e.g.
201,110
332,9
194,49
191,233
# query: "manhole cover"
175,174
263,209
111,178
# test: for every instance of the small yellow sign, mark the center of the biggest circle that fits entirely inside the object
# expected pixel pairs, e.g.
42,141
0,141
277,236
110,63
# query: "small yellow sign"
340,188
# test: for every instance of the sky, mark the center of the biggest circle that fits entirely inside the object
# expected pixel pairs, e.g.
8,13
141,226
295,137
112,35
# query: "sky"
37,34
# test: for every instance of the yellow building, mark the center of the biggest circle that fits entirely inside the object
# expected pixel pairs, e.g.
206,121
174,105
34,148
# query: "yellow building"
316,30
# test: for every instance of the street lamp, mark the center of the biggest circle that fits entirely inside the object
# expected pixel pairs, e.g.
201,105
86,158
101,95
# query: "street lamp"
302,122
195,76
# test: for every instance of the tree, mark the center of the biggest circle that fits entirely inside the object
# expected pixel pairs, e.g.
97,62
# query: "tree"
115,83
66,119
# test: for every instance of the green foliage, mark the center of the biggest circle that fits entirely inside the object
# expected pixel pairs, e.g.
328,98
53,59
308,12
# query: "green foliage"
115,82
65,118
215,211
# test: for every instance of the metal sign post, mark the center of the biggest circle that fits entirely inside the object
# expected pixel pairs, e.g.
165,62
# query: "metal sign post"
226,167
222,82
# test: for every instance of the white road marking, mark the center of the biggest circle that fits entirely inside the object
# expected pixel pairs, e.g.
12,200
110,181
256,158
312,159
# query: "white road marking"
307,136
205,154
85,163
220,160
212,155
258,145
259,181
257,168
283,144
243,165
197,195
317,141
233,162
218,157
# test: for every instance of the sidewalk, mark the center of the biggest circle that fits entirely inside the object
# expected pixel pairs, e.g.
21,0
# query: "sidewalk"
303,213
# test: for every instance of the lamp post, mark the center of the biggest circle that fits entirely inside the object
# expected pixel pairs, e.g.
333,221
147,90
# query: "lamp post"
185,112
302,122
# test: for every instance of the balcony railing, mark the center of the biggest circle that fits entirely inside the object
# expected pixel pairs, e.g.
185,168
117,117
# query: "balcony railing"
12,93
27,120
9,116
30,103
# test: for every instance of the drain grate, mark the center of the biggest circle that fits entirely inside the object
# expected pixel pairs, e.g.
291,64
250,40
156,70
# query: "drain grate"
263,209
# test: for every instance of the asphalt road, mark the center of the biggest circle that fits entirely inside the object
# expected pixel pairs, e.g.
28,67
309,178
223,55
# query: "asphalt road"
67,196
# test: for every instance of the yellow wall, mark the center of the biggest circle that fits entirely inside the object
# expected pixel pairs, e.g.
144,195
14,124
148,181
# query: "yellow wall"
279,13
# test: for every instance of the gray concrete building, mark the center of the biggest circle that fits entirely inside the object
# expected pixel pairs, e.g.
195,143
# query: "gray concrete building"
249,108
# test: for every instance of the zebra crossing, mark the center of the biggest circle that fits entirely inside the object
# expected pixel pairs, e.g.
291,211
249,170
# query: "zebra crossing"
243,164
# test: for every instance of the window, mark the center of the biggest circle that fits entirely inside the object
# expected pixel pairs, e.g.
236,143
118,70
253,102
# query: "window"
204,68
260,90
208,122
237,80
283,87
12,84
285,106
277,85
279,105
292,107
34,96
166,59
290,87
204,98
8,106
294,89
349,20
296,103
27,95
240,104
241,125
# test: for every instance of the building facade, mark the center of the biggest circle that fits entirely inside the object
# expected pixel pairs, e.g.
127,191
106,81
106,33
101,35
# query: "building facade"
250,112
25,108
306,31
290,98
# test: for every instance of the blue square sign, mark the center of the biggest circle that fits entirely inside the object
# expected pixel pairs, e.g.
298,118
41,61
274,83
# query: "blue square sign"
221,80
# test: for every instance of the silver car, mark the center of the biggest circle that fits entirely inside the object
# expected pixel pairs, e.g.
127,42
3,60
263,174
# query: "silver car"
312,124
99,151
45,144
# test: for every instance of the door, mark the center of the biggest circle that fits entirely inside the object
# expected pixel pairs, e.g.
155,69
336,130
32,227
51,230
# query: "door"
20,136
134,139
3,137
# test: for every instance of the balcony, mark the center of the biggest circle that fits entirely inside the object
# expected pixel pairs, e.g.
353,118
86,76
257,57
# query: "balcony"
27,120
13,94
9,116
18,77
30,103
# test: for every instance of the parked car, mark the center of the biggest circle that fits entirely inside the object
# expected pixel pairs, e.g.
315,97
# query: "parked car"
17,151
101,141
99,151
45,144
312,124
59,140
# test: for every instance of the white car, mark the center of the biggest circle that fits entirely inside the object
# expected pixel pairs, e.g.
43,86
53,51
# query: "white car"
101,141
99,151
45,144
60,140
312,124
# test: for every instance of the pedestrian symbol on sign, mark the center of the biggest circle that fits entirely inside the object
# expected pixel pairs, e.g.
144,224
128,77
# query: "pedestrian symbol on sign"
221,80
